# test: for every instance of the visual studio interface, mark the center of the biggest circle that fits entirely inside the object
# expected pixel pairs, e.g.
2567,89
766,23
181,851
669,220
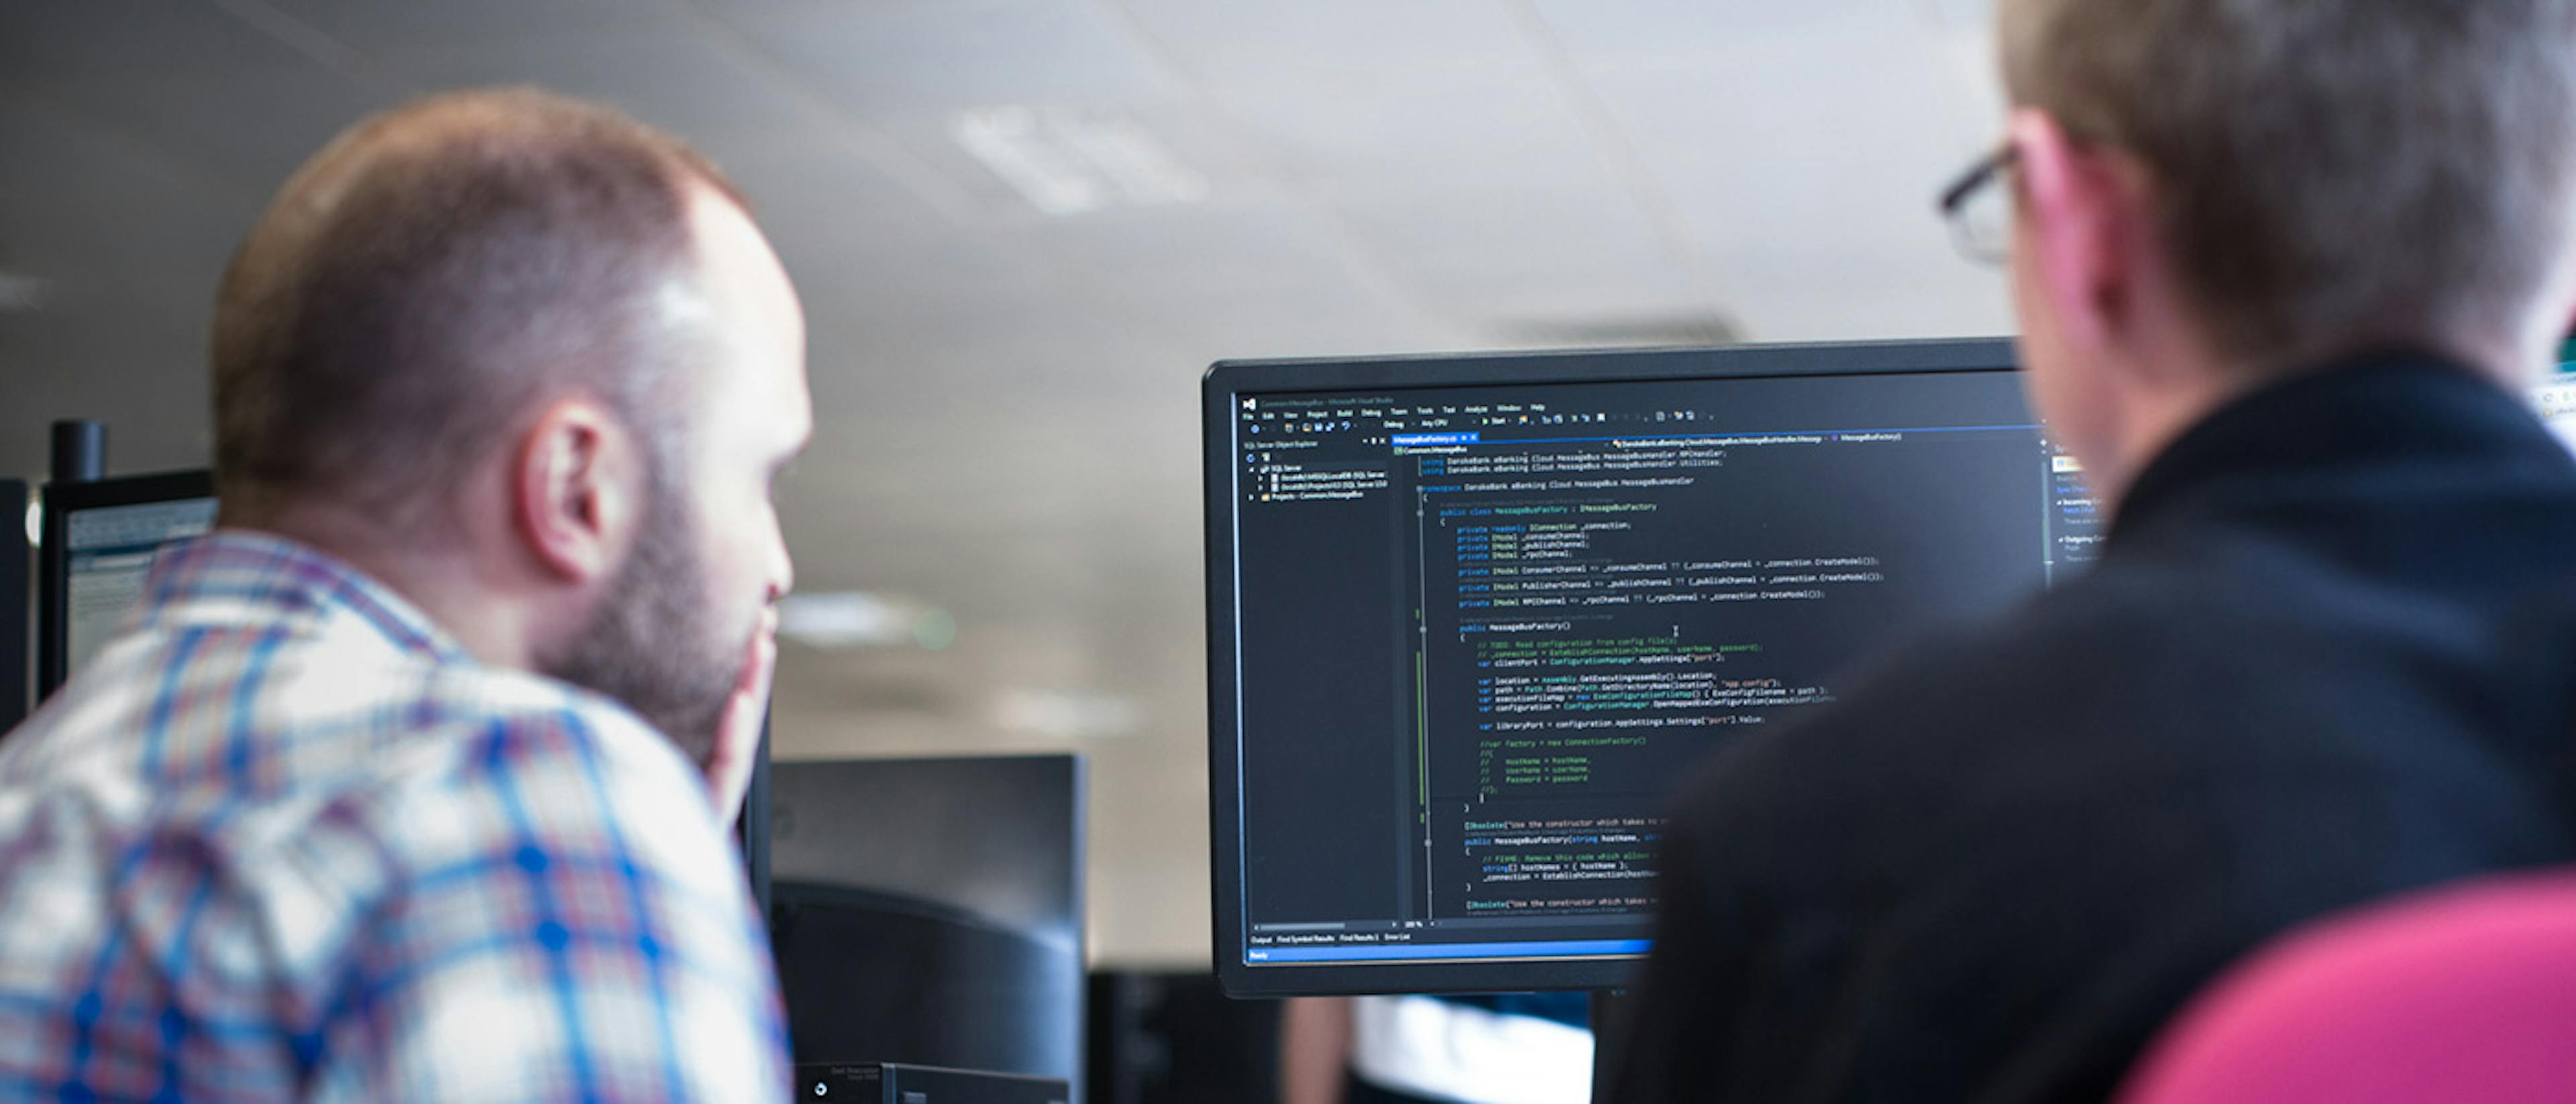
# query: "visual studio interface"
1484,632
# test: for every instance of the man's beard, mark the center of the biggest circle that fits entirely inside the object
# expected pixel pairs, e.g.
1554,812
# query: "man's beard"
653,643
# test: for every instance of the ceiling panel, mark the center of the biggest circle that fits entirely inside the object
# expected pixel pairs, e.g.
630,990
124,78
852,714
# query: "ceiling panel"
399,27
1426,132
1208,254
144,70
1515,252
1044,362
268,122
1814,209
1351,46
1485,191
826,193
129,244
58,44
92,210
869,357
142,373
1258,278
1199,143
667,76
899,59
1963,15
1688,28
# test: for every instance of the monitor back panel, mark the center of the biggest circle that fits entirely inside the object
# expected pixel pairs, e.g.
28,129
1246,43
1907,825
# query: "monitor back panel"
930,911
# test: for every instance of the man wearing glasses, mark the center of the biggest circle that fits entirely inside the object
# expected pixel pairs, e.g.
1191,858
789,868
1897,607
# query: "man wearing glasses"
2280,269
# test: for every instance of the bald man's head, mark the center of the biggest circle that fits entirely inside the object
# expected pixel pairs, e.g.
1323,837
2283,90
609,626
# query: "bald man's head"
530,364
433,276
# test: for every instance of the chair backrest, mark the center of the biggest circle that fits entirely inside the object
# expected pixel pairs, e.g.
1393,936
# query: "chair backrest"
2465,995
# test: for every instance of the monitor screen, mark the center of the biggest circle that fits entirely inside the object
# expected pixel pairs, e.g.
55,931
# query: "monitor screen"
109,551
1472,619
105,535
2556,397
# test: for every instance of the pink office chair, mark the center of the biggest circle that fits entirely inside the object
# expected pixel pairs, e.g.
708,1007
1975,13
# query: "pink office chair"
2462,995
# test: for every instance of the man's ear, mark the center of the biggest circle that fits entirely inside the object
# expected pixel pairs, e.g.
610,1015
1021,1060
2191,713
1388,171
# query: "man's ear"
578,485
2082,218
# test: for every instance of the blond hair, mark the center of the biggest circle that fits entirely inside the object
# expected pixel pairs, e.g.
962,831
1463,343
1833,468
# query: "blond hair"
2330,174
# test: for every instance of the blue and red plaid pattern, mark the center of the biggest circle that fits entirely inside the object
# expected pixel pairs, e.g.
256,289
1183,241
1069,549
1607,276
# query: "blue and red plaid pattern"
284,839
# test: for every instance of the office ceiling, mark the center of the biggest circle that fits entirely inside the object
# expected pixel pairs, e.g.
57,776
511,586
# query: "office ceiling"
1021,229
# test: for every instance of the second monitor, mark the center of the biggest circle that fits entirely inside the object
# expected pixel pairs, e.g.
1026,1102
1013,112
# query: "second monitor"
1472,620
100,540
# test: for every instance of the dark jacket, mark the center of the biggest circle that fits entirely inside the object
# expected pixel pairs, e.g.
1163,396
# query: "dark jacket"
2320,661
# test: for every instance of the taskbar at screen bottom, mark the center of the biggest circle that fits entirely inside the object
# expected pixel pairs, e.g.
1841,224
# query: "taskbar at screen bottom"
1445,952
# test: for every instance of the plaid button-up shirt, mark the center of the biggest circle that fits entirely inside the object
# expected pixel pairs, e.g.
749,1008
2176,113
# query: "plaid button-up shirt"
283,839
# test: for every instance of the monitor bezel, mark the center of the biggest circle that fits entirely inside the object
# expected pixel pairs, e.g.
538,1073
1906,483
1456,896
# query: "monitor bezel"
1222,388
61,500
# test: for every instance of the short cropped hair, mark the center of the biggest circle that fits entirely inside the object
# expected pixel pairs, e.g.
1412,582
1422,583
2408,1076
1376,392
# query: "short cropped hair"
2331,173
427,280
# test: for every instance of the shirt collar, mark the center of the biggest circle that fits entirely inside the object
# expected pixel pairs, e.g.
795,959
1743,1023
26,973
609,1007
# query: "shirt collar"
2350,414
241,576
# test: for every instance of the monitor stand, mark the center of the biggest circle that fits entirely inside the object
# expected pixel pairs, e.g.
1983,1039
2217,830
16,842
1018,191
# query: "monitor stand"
1609,1016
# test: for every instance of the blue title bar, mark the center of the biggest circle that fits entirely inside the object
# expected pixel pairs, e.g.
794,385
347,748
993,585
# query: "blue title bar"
1435,951
1403,440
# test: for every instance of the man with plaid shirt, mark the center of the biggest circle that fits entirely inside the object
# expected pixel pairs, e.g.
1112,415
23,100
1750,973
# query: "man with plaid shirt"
411,780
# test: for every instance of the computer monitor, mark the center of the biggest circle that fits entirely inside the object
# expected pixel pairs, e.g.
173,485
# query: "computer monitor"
929,911
2556,397
99,541
1472,619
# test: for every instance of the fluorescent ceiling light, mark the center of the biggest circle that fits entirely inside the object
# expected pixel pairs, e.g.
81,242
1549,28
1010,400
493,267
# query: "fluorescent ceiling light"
1068,714
21,293
857,619
1070,162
